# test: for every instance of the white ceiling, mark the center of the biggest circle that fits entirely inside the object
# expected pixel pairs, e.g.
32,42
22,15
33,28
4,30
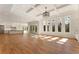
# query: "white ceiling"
18,12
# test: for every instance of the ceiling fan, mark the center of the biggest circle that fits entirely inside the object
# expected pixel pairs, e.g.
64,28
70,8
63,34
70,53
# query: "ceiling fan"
45,12
64,5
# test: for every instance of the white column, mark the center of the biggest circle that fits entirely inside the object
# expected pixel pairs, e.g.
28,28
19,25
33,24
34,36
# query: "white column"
56,25
51,26
63,25
40,26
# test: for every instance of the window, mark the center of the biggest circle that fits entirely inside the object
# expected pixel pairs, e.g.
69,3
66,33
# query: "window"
30,28
53,28
67,27
27,28
35,28
44,27
59,27
47,27
13,28
67,24
24,28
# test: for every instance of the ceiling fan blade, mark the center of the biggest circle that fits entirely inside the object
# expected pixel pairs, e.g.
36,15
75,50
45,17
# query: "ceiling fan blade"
30,9
39,14
51,10
62,6
36,5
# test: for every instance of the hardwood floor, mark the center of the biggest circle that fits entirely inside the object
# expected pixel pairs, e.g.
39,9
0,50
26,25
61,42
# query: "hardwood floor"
37,44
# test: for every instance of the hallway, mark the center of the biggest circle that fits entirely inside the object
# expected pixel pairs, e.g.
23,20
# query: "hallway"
36,44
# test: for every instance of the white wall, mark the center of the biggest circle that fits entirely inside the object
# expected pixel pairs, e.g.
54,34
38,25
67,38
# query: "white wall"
73,11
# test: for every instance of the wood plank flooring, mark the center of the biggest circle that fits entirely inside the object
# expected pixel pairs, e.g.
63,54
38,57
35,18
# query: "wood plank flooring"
37,44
